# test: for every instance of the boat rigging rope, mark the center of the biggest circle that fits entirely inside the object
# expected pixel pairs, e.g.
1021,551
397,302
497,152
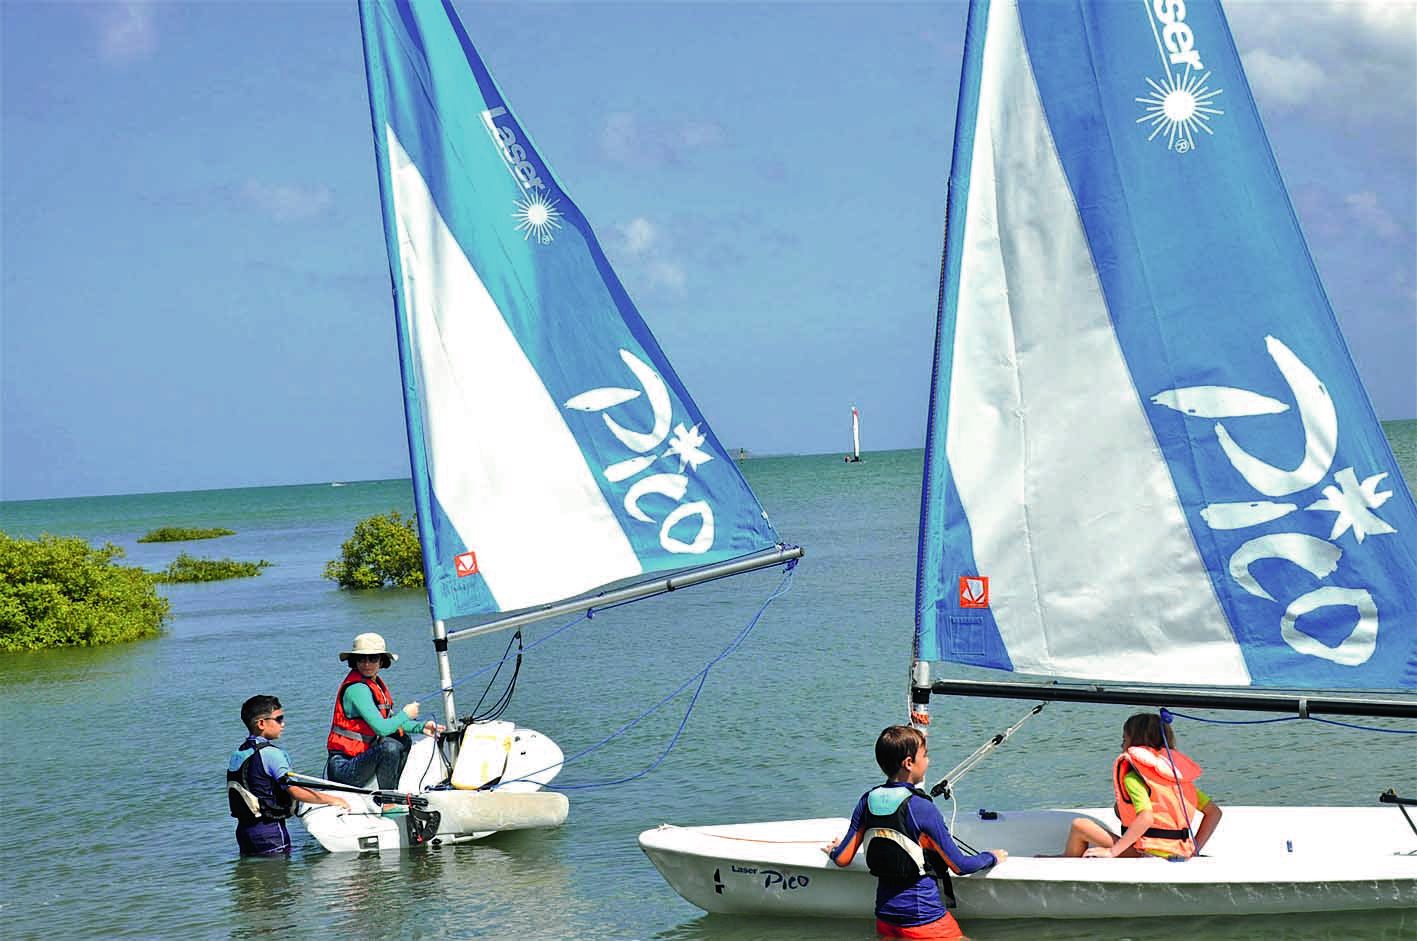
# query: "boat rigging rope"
1311,718
701,677
945,785
496,664
1167,718
500,706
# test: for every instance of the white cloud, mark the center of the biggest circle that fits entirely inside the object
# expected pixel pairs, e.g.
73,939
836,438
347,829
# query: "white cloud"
126,31
645,256
1365,209
668,274
1354,59
639,234
1288,80
286,202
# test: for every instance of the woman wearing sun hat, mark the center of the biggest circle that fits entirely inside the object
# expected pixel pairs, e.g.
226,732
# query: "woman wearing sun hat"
367,737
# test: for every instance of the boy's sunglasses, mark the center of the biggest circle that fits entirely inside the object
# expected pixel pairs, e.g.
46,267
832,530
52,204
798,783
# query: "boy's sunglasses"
278,720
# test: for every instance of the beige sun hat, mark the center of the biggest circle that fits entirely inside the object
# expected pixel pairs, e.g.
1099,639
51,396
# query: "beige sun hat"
367,645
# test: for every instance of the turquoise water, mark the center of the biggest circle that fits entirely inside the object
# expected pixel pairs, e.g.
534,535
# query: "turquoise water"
115,817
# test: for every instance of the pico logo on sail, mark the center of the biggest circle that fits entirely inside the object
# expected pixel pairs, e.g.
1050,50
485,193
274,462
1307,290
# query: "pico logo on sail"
1351,503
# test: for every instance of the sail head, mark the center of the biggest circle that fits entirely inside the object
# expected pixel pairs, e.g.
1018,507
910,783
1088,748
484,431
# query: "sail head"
1150,456
554,450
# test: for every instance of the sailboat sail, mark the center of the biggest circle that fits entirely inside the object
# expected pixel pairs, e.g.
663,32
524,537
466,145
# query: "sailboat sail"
554,449
1150,457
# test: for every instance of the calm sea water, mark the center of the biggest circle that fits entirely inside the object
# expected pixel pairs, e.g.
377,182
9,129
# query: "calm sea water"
114,815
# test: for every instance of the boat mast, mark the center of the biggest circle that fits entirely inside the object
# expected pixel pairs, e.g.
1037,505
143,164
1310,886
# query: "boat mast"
445,671
855,433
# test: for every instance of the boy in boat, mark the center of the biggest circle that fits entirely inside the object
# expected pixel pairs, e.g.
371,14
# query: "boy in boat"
1156,797
908,846
257,789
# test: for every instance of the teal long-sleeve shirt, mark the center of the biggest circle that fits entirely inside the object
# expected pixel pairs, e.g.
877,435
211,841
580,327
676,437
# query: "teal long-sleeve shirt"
359,701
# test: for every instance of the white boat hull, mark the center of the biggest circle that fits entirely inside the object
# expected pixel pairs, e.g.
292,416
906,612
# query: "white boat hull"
465,814
1262,860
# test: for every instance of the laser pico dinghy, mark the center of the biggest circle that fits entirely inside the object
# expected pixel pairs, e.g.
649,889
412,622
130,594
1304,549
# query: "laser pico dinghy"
1149,459
558,463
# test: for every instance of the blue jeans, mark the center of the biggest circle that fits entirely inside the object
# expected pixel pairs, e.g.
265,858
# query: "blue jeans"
384,759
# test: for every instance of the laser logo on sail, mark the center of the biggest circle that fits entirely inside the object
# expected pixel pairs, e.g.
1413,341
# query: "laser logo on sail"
536,211
1181,103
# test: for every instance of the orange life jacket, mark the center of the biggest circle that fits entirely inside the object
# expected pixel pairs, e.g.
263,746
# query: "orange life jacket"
351,736
1171,786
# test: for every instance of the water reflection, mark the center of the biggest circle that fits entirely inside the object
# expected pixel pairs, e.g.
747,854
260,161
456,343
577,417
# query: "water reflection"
264,898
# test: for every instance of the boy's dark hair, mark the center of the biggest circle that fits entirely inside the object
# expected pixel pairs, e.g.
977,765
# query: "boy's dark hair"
1147,729
896,744
255,707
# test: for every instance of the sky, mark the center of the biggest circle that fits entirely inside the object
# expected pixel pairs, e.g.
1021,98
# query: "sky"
195,290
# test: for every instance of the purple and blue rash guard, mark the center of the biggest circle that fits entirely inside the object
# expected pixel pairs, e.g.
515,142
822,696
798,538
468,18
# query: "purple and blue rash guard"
914,901
264,837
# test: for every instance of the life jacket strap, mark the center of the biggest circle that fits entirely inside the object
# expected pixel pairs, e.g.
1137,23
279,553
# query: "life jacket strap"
353,735
909,846
1158,833
245,798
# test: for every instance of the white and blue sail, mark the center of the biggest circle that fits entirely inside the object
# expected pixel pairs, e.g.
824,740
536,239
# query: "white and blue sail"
554,450
1150,457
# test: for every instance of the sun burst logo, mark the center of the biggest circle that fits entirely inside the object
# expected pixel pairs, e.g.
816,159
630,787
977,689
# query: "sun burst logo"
537,217
1182,103
1180,107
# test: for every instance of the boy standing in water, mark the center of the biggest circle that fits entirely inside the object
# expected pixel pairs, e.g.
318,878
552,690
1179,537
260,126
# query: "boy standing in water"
257,789
907,843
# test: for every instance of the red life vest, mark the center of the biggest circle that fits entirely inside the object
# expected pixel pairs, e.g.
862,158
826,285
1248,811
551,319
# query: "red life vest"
1170,782
351,736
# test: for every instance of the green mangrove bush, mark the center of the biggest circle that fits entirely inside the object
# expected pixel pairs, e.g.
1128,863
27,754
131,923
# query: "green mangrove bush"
186,568
61,592
178,534
383,552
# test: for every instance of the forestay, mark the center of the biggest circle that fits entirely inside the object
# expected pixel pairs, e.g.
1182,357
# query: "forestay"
1150,456
554,450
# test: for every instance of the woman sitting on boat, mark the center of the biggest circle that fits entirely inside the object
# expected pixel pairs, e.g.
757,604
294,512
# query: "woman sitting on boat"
1156,799
367,738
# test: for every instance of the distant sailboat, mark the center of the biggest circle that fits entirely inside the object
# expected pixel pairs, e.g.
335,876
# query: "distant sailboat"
1149,461
855,456
554,451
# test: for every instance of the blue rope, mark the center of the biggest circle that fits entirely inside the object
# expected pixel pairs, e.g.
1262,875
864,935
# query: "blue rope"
1166,718
701,677
1346,725
1364,728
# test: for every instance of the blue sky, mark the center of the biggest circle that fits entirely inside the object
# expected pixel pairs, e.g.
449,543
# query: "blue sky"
195,292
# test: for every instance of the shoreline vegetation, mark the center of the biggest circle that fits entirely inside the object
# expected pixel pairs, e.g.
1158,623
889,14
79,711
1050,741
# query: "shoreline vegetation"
186,568
58,591
383,552
179,534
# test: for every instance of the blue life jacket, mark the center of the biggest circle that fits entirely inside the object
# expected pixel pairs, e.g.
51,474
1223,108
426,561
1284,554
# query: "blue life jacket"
893,854
253,795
